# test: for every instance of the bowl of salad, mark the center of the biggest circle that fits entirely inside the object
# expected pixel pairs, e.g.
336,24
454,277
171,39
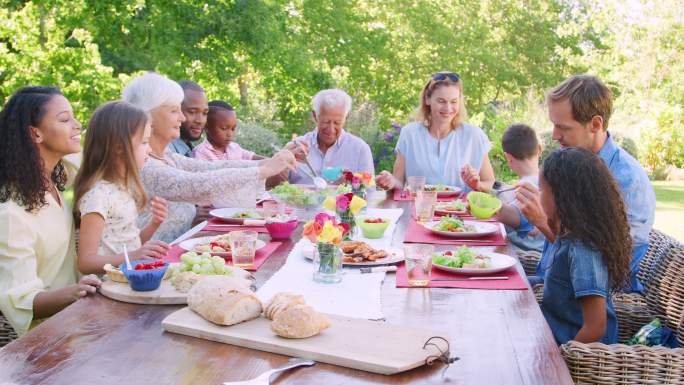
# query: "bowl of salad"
483,205
297,196
464,260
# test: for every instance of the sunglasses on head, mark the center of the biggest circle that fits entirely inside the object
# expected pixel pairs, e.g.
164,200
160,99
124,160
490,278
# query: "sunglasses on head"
440,76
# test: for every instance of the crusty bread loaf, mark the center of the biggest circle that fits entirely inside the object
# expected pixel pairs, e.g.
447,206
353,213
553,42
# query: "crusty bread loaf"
299,321
220,300
280,302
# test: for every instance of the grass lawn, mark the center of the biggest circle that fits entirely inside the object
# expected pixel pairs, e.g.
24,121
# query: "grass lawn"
669,216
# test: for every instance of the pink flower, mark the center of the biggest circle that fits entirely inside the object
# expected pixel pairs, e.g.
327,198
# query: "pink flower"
356,181
321,218
342,202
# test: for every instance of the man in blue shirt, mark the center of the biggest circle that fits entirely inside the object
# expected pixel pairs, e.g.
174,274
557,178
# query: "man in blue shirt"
195,107
580,108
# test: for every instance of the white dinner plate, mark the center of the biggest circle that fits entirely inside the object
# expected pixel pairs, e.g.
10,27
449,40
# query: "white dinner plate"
227,214
189,244
453,190
482,229
439,209
395,256
500,262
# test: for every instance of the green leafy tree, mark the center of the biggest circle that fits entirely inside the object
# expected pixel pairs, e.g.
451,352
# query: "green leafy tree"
36,48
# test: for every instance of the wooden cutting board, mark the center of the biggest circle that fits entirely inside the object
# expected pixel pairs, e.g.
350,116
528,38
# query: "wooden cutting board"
166,294
373,346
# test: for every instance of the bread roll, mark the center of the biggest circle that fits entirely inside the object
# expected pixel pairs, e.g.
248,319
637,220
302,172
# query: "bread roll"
184,281
114,274
220,300
299,321
280,302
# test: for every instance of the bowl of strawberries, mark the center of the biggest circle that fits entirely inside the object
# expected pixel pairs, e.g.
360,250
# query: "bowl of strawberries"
372,227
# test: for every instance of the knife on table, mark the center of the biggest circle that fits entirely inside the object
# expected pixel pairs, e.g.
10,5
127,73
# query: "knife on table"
189,233
368,270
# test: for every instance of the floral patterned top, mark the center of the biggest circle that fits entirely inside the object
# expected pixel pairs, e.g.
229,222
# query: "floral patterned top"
186,182
117,207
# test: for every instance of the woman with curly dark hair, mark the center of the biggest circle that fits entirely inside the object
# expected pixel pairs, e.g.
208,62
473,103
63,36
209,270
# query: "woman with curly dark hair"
37,254
592,250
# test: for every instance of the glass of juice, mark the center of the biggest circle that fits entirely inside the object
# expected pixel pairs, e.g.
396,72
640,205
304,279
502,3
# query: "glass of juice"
418,263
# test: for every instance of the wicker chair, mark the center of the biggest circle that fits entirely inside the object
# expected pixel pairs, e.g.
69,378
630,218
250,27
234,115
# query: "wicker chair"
529,260
659,244
7,333
598,363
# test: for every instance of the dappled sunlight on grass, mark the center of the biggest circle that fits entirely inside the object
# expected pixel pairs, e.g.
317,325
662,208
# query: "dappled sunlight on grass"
670,208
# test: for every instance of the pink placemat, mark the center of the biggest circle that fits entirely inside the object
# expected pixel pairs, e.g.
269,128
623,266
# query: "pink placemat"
415,233
215,224
438,216
261,255
514,282
403,195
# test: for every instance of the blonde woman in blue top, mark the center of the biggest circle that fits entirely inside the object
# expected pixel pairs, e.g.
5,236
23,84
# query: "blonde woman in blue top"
440,146
592,249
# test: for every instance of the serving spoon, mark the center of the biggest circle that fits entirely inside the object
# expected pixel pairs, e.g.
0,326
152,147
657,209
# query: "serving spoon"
318,182
496,193
265,378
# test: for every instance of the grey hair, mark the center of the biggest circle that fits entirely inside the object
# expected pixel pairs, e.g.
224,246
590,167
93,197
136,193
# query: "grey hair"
152,90
332,98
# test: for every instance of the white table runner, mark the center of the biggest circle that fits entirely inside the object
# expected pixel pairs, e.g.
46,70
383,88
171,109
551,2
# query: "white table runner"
357,296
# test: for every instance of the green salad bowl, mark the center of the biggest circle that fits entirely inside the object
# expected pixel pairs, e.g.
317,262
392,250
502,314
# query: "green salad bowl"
482,205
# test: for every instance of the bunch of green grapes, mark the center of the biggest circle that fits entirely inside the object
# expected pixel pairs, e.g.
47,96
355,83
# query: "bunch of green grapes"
203,263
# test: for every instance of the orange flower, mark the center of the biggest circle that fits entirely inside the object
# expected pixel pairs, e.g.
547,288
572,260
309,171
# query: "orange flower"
311,230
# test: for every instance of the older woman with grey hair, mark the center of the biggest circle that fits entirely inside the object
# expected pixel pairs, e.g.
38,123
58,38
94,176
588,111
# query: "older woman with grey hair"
329,144
186,182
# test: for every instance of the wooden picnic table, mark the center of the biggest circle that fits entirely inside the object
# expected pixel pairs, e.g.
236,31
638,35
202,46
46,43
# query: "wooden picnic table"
500,336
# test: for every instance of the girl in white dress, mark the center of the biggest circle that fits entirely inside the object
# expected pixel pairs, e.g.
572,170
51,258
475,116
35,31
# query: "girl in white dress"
109,193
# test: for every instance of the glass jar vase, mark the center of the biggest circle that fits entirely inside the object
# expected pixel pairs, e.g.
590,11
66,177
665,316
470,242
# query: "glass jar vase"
327,263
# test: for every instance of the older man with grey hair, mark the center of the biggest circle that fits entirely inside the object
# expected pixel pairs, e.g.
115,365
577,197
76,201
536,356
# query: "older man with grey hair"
329,144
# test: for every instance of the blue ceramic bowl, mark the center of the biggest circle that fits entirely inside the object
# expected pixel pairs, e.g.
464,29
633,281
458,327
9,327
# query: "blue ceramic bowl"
332,174
143,280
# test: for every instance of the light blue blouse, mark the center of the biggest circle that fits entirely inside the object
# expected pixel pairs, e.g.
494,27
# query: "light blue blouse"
440,161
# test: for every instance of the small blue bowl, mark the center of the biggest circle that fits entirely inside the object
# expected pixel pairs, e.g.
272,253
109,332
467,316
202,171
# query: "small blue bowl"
332,174
143,280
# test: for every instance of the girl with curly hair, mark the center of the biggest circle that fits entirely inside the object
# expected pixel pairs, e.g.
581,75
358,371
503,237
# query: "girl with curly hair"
37,252
592,250
109,194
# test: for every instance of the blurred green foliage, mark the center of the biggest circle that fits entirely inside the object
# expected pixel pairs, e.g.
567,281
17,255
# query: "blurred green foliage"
269,57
